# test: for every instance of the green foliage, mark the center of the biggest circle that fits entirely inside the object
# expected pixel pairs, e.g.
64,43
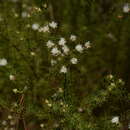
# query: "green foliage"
35,94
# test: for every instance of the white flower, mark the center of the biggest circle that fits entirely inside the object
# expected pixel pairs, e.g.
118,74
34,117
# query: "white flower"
33,53
65,49
3,62
74,60
126,8
41,125
12,77
15,90
63,69
55,51
110,76
79,48
35,26
9,117
73,38
113,84
44,29
24,14
4,123
120,81
60,90
50,44
49,105
115,120
62,41
53,62
46,101
53,25
87,44
80,109
129,126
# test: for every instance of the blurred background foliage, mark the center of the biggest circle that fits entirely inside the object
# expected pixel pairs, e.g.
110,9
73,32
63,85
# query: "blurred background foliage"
89,104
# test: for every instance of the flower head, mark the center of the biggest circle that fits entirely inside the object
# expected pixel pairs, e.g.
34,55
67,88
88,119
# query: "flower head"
87,44
15,90
3,62
55,51
50,44
44,29
126,8
35,26
63,69
12,77
42,125
65,49
53,25
73,38
62,41
79,48
10,117
74,60
115,120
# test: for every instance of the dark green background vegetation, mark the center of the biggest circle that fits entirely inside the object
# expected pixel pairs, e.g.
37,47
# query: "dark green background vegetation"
105,25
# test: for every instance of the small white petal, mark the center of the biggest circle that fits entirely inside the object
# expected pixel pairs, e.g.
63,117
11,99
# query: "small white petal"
63,69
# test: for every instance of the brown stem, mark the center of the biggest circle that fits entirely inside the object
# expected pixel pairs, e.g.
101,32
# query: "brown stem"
24,123
21,102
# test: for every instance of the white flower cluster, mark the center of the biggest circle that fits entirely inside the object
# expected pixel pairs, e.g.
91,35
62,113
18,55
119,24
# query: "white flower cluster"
46,28
60,49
